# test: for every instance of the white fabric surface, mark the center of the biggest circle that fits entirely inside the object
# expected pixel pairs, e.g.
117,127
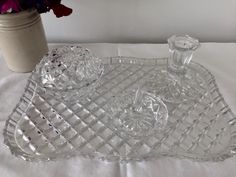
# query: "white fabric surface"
219,58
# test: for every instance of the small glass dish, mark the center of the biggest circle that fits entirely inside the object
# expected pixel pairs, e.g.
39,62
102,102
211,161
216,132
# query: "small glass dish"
137,112
69,73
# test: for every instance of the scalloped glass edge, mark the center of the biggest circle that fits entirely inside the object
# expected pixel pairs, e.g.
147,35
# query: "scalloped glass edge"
230,151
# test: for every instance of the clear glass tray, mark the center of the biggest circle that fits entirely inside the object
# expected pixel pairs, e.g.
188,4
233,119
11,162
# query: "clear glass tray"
43,128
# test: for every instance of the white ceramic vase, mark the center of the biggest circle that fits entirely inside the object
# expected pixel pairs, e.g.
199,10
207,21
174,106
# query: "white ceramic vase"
22,40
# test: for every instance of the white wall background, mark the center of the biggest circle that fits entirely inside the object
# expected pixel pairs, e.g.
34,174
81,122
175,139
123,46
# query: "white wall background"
143,21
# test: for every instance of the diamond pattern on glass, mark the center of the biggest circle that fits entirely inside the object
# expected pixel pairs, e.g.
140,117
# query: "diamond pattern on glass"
43,128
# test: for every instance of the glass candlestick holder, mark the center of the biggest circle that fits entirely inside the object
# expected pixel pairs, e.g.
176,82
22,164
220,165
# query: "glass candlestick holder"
181,52
176,84
181,83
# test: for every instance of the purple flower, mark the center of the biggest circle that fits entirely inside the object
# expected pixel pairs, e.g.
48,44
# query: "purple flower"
42,6
9,6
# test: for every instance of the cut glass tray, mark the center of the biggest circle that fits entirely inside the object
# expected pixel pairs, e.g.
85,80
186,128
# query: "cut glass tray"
42,128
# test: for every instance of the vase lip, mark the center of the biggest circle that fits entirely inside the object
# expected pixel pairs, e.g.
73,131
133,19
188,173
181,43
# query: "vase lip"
20,20
21,14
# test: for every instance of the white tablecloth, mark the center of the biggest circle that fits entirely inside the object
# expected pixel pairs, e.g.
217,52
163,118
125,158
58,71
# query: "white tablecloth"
219,58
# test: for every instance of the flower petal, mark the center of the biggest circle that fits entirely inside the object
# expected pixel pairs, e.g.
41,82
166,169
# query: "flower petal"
10,5
61,10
